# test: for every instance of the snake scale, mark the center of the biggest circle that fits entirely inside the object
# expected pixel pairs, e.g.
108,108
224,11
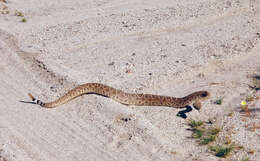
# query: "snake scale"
126,98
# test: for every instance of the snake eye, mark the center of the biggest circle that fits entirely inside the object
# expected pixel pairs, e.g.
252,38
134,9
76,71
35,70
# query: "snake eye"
204,94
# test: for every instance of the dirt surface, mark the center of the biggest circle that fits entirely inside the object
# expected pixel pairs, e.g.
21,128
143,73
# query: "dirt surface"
169,48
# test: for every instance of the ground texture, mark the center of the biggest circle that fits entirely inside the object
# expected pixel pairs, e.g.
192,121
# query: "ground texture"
160,47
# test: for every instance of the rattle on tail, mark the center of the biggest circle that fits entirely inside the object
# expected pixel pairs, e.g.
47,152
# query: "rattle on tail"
38,102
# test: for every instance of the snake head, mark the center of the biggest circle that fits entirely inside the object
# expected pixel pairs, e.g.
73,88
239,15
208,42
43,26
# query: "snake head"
203,95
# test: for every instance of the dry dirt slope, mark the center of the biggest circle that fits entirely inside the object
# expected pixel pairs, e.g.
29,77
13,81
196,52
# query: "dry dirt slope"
169,48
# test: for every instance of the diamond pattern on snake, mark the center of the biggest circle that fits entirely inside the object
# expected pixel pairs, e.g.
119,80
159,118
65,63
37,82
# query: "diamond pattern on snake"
127,98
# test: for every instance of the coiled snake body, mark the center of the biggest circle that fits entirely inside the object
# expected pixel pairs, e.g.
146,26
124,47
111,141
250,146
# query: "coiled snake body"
126,98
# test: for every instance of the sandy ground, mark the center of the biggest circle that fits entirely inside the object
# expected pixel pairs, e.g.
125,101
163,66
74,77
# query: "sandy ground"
152,46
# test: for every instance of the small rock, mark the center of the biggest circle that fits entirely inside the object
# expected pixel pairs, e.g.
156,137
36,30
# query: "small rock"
112,63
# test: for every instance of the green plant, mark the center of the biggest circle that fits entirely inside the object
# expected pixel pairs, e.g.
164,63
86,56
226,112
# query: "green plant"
197,133
214,131
209,136
205,135
24,20
207,139
221,151
195,124
219,101
18,13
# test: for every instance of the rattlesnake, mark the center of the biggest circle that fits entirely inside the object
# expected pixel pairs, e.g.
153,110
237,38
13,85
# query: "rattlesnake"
126,98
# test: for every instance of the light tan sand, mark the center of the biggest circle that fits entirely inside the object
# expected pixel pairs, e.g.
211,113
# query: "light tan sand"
160,47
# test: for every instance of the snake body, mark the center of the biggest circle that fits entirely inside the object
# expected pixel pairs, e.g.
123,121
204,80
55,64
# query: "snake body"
126,98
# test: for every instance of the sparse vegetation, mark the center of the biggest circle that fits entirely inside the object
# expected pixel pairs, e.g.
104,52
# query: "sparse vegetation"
244,108
249,98
214,131
197,133
221,151
195,124
207,139
219,101
227,140
18,13
196,128
23,20
208,134
255,83
205,135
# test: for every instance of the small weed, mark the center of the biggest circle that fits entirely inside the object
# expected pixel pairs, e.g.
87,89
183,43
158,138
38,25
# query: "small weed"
197,133
18,13
230,114
219,101
203,134
196,128
255,83
214,131
195,124
244,108
207,139
227,140
23,20
209,136
249,98
221,151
